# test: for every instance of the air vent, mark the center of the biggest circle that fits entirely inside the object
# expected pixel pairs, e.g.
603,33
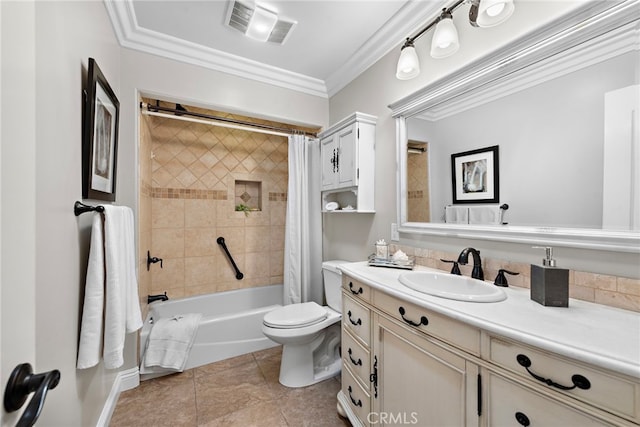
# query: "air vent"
240,13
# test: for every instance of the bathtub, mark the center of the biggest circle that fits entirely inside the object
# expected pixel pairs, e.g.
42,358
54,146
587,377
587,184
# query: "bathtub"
231,323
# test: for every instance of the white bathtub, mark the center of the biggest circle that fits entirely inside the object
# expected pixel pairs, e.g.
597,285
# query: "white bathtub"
231,322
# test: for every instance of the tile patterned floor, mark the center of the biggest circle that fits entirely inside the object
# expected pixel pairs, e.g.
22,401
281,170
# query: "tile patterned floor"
242,391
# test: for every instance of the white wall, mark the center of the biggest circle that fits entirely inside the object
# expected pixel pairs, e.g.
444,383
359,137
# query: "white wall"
351,236
67,34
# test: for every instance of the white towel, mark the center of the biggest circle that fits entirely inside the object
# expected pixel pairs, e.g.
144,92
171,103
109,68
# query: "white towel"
456,214
485,215
122,305
113,292
170,342
91,329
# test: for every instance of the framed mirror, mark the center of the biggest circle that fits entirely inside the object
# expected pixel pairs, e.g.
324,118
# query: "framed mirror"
563,108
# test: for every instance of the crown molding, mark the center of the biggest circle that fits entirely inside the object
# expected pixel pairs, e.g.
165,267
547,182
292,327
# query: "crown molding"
404,23
132,36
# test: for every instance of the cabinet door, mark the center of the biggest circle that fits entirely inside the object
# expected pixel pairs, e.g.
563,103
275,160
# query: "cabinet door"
347,151
328,156
420,382
510,404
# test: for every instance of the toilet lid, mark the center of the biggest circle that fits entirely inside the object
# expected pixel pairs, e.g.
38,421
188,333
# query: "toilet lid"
295,315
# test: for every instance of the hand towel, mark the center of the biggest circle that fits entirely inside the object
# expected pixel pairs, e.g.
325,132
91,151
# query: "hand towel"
485,215
91,328
170,342
456,214
122,304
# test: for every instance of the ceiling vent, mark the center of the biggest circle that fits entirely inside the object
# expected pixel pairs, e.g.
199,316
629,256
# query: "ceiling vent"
239,17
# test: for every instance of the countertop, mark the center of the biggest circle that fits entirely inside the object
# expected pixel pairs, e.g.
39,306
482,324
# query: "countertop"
600,335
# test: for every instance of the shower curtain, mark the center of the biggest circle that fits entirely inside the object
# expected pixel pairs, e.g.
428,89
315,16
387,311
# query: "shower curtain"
303,229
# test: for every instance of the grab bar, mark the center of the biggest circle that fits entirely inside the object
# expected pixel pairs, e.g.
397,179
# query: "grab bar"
22,382
239,275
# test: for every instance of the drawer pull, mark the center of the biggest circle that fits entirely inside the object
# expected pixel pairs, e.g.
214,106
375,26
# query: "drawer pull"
423,319
355,362
522,419
578,380
357,322
358,402
359,291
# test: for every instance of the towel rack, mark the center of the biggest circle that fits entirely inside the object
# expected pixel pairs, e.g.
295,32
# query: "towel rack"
80,208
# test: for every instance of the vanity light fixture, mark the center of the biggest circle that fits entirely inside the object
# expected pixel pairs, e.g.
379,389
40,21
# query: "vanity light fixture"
483,13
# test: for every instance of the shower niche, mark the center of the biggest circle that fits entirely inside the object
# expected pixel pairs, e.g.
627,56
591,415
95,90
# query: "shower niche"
248,196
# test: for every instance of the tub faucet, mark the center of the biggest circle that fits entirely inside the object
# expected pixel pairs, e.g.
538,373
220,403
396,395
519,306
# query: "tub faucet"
463,259
159,297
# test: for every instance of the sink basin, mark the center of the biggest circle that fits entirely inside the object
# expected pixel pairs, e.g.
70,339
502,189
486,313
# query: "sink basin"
450,286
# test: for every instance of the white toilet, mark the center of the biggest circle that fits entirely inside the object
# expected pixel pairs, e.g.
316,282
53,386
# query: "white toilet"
309,333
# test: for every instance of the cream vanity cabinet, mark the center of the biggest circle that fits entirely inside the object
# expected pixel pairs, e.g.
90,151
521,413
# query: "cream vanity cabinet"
404,364
395,373
347,152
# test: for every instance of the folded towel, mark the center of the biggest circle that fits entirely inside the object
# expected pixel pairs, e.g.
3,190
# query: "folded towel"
485,215
91,329
122,306
170,342
456,214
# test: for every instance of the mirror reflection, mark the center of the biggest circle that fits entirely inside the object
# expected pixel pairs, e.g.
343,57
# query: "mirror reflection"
562,162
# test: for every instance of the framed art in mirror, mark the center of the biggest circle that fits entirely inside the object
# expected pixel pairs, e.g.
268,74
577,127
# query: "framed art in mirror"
100,137
475,176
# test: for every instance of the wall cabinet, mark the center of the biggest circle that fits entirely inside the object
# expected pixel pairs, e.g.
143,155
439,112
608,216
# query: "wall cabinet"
404,364
348,161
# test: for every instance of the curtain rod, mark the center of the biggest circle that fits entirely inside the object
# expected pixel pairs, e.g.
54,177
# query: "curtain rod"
156,110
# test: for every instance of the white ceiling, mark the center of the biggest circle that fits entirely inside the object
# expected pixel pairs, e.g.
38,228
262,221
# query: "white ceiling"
333,42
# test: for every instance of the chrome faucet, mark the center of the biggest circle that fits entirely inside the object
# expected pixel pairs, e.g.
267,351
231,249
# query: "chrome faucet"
463,259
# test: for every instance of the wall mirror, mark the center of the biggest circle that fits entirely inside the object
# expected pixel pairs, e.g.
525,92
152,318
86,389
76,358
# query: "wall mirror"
555,104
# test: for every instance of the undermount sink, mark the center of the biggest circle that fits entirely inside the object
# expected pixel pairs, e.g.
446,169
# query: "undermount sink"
451,286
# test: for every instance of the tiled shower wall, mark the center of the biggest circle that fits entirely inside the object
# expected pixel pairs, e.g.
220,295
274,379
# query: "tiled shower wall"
191,193
417,188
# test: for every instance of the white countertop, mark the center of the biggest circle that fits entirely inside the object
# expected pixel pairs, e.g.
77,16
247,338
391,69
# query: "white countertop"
593,333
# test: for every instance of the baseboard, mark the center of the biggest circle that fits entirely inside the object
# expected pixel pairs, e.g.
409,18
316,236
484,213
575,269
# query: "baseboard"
125,380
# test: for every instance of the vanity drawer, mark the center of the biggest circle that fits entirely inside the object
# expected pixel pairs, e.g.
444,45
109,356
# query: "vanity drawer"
510,404
356,357
358,398
356,288
459,334
607,391
356,318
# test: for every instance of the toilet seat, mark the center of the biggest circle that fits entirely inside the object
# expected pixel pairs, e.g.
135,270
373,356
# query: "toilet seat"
295,316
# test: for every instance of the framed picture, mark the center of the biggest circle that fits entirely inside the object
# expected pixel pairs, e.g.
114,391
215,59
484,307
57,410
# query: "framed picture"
475,176
100,137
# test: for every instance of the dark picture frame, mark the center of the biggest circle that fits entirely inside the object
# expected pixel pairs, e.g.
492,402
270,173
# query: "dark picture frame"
475,176
100,137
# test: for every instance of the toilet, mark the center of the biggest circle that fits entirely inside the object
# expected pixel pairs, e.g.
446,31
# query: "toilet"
309,334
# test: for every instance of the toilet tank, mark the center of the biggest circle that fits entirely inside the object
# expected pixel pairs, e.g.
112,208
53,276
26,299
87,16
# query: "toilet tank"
332,278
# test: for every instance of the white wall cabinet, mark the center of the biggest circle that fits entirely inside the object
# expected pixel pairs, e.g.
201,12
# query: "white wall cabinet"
404,364
348,162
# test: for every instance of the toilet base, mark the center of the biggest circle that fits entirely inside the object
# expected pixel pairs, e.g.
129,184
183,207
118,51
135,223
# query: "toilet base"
304,365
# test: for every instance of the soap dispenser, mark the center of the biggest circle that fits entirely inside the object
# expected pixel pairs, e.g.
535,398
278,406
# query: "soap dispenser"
549,284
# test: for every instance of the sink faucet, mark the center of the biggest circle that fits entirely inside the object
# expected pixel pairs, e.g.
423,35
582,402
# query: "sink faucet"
463,259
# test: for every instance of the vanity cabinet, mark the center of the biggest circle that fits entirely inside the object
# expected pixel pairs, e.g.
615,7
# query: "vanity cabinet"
347,153
404,364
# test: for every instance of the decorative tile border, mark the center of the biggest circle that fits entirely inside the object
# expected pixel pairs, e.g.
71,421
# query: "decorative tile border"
415,194
187,193
277,197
